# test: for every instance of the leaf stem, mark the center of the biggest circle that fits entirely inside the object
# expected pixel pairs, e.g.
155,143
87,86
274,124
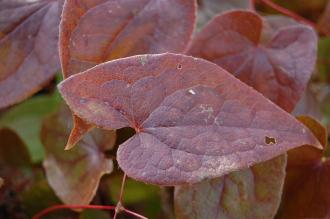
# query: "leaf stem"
289,13
134,214
119,206
58,207
122,188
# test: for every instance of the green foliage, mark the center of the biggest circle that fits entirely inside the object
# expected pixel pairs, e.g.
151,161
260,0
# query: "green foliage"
26,118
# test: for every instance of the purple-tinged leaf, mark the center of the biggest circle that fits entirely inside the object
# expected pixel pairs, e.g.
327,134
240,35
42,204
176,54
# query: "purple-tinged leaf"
95,31
279,69
207,9
28,47
74,175
250,193
193,120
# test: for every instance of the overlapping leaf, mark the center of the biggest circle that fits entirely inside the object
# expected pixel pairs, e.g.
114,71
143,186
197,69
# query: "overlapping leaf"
193,120
24,190
207,9
74,175
306,189
28,47
250,193
26,118
279,69
95,31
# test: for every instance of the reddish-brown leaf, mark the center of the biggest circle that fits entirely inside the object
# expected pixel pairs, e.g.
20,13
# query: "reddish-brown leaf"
251,193
306,190
95,31
279,69
193,119
28,47
74,175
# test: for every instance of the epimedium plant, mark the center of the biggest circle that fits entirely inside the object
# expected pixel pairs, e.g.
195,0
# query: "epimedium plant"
210,109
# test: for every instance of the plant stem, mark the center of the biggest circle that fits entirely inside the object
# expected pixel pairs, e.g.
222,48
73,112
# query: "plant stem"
134,214
119,206
122,188
58,207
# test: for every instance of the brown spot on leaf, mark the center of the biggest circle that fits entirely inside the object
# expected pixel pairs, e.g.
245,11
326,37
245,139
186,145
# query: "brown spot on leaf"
270,140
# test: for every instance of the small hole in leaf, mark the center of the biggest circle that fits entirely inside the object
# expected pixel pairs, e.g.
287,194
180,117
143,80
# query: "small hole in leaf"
270,140
179,66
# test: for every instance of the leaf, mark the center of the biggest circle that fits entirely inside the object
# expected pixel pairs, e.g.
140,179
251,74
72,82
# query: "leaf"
13,152
207,9
309,104
25,119
279,69
306,189
25,190
250,193
193,120
133,27
323,21
95,31
28,47
74,175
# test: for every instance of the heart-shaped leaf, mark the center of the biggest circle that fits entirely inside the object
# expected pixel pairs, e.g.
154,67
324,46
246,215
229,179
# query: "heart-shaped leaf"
279,69
306,190
193,120
95,31
28,47
74,175
251,193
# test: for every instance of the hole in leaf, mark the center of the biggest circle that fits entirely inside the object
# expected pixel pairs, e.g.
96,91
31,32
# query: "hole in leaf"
179,66
270,140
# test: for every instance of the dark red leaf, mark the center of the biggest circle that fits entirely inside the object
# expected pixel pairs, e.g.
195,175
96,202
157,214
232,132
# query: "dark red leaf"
95,31
28,47
74,175
193,119
279,69
306,189
251,193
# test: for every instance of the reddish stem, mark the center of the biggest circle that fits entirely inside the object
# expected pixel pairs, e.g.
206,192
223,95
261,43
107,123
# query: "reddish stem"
119,206
122,188
58,207
134,214
289,13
